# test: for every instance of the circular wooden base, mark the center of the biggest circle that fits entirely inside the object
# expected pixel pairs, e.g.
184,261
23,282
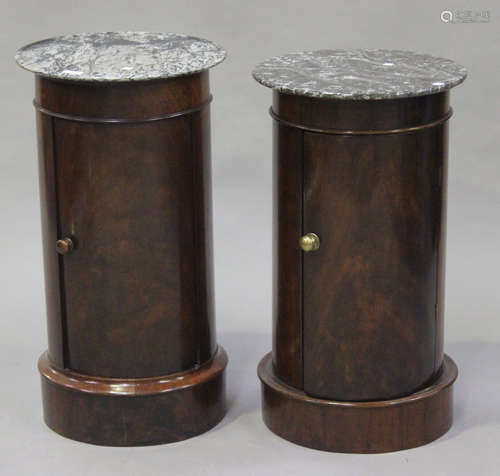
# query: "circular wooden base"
134,412
358,427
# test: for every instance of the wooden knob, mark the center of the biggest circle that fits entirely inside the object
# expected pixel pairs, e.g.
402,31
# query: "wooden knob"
310,242
64,246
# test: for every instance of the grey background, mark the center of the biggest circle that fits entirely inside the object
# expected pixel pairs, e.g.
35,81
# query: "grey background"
252,31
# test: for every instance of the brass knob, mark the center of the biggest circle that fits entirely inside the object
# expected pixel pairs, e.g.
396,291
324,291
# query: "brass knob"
310,242
64,246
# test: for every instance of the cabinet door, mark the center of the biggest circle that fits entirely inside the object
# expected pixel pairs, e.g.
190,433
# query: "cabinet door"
125,196
370,290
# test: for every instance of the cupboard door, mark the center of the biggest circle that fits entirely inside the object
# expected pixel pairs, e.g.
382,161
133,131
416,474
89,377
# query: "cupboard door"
125,196
370,290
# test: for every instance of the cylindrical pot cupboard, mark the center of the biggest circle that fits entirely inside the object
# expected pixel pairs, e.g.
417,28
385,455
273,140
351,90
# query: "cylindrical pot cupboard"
360,170
124,162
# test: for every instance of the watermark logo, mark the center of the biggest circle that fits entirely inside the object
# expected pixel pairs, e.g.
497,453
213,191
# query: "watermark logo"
465,16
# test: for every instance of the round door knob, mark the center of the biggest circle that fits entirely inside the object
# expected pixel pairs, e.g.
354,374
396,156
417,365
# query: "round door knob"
64,246
310,242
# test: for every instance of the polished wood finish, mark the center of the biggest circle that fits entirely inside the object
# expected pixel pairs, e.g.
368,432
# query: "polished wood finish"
441,264
360,319
360,115
358,427
287,259
130,212
203,244
72,380
125,173
50,234
134,412
143,100
370,290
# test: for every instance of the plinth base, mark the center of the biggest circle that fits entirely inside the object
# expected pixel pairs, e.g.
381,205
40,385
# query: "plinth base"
134,412
358,427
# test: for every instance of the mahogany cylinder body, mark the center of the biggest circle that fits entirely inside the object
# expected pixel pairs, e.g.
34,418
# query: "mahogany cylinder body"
359,321
125,175
368,305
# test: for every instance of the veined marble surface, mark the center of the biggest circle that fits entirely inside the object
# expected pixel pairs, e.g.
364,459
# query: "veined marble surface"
359,74
119,56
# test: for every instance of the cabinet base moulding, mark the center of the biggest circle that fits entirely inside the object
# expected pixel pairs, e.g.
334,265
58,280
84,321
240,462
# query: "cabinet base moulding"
358,427
134,412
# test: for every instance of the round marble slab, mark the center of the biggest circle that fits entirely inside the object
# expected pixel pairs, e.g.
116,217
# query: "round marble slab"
359,74
119,56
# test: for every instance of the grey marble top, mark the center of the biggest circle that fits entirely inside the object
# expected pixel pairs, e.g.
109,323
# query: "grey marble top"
119,56
359,74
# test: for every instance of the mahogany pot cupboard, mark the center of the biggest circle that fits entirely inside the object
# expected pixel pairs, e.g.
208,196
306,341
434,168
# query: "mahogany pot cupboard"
360,169
125,186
